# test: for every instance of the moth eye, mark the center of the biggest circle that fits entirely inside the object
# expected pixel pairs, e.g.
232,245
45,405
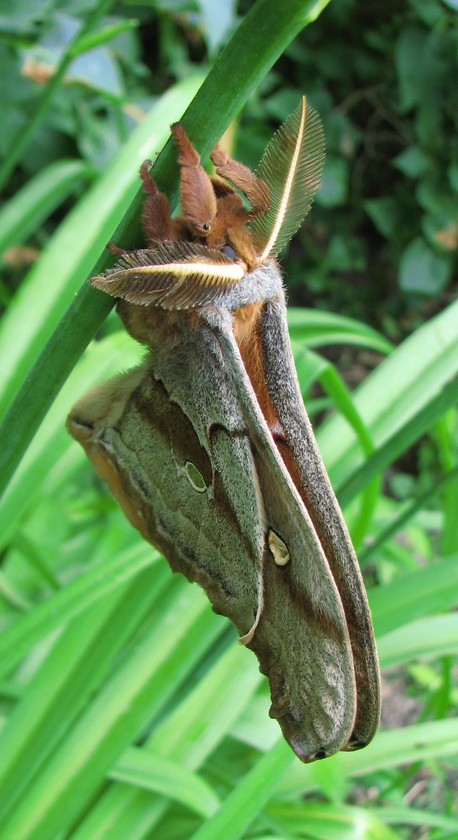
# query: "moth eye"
229,251
195,477
278,548
206,226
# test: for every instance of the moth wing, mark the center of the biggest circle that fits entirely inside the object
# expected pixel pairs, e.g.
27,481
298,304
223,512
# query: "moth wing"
302,639
219,498
175,275
318,496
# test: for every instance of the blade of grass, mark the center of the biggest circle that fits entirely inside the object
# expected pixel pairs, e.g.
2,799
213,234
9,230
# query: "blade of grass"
408,512
326,820
320,329
69,676
394,394
248,798
401,439
414,595
77,596
420,817
23,214
51,285
194,729
335,386
434,636
390,748
102,359
138,689
169,778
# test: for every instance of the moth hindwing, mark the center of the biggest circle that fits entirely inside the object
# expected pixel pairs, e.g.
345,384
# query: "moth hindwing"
208,448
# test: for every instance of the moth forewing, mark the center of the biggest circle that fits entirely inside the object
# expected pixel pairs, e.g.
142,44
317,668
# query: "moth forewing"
299,450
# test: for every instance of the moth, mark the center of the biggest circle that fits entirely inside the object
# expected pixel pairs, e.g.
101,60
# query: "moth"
207,445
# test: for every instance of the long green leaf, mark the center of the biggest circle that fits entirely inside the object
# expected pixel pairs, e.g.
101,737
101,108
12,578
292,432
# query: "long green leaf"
415,375
415,595
23,214
248,798
194,728
159,774
119,712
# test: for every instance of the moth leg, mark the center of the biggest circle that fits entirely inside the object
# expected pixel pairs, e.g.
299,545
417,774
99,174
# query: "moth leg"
157,220
198,199
116,250
244,179
149,185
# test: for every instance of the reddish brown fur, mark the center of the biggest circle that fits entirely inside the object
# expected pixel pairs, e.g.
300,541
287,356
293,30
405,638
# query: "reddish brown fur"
197,196
244,179
247,336
212,211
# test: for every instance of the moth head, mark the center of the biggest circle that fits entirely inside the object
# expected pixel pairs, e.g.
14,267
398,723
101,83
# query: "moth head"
230,225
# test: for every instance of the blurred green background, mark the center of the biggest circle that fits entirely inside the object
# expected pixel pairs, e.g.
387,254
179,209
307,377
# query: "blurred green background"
128,710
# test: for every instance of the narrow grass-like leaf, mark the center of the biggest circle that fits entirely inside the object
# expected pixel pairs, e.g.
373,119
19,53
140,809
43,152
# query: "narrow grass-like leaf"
103,36
20,141
135,692
429,637
248,798
415,595
407,512
395,393
102,360
324,821
195,727
70,674
156,773
23,214
71,254
334,385
405,436
318,328
12,594
77,596
420,817
390,748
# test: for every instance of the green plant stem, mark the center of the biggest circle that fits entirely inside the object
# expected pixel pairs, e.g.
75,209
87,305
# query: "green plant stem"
258,42
20,143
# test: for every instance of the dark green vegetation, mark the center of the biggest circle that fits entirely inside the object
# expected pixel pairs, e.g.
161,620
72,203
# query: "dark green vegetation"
128,709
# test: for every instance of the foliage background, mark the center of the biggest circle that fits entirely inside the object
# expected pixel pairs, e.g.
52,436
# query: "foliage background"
127,708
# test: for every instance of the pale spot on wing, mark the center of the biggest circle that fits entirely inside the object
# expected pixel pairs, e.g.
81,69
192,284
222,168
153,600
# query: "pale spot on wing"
278,548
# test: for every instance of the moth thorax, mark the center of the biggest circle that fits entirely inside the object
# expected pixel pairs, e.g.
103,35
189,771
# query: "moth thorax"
278,548
195,477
